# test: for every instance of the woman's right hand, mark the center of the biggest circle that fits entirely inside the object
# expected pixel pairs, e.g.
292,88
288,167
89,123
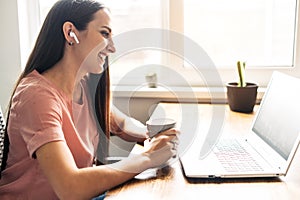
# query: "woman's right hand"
162,147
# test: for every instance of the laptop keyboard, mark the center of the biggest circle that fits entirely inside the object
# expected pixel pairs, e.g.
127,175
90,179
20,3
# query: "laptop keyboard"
234,158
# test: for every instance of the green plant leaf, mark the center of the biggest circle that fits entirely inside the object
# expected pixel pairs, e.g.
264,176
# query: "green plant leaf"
241,71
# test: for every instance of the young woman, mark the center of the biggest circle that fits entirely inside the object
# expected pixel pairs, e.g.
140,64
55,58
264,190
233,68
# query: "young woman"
60,110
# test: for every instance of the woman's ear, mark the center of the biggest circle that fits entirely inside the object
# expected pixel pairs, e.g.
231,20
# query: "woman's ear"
69,27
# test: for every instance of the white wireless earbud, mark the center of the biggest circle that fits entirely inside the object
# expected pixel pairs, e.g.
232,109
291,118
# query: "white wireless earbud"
73,35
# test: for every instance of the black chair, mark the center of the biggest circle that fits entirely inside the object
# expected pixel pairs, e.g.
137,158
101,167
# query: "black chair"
2,130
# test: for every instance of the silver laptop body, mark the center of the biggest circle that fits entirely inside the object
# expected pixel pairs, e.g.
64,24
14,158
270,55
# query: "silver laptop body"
270,145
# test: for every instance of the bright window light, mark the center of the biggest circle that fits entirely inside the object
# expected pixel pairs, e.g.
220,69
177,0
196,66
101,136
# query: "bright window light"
260,32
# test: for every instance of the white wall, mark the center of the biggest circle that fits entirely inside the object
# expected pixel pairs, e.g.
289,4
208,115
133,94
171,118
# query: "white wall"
10,59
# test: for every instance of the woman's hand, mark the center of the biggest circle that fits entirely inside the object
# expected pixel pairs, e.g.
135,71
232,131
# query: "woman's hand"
162,147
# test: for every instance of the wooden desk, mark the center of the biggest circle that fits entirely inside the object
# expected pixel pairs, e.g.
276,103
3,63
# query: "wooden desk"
171,184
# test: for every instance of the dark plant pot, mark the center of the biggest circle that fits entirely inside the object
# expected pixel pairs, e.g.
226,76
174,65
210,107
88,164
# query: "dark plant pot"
241,99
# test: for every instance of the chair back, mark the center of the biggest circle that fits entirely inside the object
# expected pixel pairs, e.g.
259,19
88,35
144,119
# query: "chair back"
2,135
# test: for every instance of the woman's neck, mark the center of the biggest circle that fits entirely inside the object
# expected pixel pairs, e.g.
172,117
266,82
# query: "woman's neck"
63,76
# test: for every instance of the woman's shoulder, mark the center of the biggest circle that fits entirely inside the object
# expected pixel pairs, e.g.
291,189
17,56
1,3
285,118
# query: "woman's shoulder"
35,96
34,85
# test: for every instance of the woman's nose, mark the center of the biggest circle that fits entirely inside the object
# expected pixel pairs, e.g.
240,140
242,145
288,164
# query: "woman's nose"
111,46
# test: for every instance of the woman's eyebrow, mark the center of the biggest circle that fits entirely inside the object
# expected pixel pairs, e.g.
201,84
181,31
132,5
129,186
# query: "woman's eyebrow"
108,28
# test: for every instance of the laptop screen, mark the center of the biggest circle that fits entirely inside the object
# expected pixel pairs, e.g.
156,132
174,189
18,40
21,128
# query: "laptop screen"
277,122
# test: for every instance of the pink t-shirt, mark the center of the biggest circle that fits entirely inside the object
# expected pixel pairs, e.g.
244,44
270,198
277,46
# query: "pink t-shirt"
40,114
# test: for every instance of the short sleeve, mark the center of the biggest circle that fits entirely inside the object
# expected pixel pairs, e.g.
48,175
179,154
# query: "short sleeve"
40,118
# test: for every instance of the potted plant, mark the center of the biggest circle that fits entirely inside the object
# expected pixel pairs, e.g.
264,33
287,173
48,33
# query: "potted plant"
241,95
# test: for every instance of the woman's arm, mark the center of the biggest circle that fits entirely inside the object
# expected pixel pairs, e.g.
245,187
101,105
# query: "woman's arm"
69,182
127,127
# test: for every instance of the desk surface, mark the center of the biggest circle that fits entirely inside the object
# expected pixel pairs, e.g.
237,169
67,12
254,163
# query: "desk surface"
171,184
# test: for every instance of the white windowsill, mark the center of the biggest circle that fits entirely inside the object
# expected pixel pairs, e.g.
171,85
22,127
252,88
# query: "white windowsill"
182,93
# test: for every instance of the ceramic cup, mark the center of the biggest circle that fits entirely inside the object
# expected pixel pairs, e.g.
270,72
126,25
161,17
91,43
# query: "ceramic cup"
159,125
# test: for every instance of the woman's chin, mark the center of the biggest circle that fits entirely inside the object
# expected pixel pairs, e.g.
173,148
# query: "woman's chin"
99,70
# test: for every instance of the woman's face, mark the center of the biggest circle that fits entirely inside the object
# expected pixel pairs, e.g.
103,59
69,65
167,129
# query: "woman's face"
96,42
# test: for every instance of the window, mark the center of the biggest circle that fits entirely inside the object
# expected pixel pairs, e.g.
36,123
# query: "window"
130,15
127,15
260,32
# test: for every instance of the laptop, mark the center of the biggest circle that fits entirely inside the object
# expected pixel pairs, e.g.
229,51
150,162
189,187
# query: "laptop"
269,147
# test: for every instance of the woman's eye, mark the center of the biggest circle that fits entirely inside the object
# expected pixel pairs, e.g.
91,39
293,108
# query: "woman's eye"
105,34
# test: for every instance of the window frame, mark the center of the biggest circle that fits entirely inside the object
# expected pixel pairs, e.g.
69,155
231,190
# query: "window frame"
29,23
260,75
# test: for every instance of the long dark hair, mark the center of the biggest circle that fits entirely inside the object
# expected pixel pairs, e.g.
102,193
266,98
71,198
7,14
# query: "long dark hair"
49,49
